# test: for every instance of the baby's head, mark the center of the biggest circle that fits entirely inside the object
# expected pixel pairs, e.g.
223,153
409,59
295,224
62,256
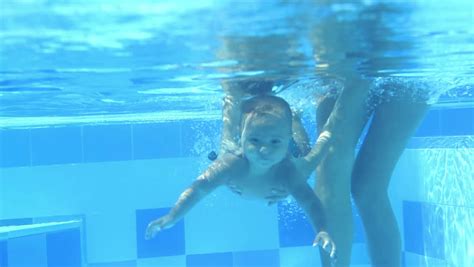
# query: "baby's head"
266,129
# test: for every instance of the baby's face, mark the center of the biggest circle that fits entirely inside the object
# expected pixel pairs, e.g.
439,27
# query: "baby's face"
265,140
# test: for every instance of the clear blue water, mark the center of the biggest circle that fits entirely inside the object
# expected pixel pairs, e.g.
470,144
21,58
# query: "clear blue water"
66,62
99,69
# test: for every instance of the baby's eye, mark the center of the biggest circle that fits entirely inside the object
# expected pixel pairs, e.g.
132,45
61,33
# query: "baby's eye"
276,141
254,140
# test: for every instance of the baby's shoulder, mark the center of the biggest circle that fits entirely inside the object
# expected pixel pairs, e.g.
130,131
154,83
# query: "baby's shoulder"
233,162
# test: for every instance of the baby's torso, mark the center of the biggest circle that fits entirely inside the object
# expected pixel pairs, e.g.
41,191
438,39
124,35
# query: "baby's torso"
267,187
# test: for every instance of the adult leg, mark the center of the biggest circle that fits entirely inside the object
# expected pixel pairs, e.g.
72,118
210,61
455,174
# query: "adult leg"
392,126
333,178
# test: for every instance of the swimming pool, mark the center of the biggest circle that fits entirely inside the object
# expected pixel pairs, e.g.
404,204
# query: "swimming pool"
108,111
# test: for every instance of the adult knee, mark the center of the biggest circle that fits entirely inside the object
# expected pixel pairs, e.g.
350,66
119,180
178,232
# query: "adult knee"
366,195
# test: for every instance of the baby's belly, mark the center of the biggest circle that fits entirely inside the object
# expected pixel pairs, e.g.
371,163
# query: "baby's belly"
266,194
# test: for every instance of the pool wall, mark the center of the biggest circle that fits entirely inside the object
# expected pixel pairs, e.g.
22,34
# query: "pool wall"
116,178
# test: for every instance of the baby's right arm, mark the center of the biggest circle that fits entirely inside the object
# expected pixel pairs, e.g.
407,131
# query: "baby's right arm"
213,177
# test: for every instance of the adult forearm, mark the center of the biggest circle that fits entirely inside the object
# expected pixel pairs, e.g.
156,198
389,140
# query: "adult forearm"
352,99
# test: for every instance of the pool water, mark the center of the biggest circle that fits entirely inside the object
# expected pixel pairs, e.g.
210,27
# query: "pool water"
108,110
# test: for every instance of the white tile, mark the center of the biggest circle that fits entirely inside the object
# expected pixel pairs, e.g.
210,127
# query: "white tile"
110,237
448,176
175,261
94,187
300,257
459,236
40,191
225,222
158,183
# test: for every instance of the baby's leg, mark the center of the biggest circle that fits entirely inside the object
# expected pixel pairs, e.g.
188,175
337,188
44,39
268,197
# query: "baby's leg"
392,126
333,179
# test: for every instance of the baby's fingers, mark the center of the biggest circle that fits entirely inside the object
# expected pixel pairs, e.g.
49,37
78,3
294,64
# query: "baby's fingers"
152,229
332,254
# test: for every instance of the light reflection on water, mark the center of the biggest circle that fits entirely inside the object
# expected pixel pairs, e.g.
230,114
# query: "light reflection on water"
62,58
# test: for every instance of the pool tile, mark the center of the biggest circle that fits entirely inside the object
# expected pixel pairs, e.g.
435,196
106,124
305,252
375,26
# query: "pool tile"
172,261
166,243
14,148
64,248
264,258
430,126
131,263
300,257
413,227
415,260
56,145
210,260
434,224
225,214
294,228
4,253
107,143
27,251
19,221
103,243
157,140
457,121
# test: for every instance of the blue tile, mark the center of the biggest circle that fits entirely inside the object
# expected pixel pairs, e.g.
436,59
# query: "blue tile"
413,225
14,148
107,143
457,121
430,125
200,137
27,251
3,253
293,226
169,242
56,145
264,258
209,260
21,221
64,248
434,221
159,140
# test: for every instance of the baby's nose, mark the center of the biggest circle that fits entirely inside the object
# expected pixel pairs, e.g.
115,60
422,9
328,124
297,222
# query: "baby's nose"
265,150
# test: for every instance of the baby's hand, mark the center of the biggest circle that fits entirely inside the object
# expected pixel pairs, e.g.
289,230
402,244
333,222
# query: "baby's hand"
157,225
324,240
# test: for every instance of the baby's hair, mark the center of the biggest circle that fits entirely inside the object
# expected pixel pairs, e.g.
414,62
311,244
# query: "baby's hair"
266,105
